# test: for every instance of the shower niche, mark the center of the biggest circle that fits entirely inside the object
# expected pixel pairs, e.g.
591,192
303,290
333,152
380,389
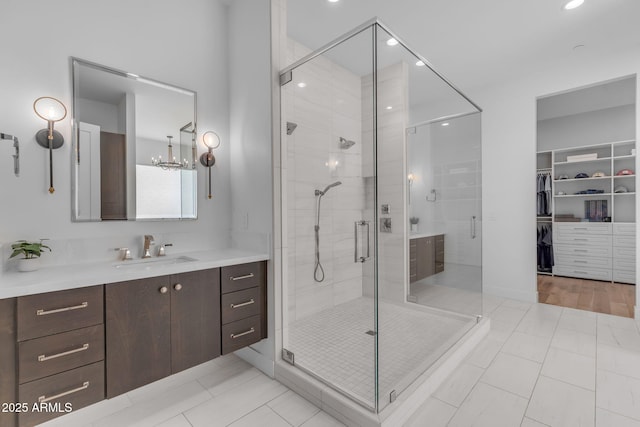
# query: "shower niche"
347,317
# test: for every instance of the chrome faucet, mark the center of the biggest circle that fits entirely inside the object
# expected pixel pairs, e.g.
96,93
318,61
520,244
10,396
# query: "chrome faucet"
148,241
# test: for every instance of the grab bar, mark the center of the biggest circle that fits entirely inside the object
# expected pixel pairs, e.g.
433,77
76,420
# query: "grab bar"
357,224
473,227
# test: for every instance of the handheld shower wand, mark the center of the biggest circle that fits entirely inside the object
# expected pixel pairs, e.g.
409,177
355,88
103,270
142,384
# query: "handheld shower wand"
318,271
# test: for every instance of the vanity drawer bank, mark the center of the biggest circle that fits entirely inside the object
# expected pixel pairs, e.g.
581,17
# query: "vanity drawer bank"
102,340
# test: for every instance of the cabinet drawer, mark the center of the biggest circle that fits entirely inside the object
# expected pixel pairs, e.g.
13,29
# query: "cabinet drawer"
439,267
584,240
50,355
624,228
240,305
585,273
624,253
582,228
595,251
624,241
624,276
624,264
243,276
240,334
79,387
582,261
54,312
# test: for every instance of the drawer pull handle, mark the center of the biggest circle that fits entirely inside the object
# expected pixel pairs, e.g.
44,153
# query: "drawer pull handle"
43,399
580,228
43,358
250,331
581,272
246,276
580,261
580,250
581,240
251,301
60,310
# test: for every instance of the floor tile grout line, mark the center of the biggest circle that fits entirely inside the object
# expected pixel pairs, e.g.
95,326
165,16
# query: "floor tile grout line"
541,367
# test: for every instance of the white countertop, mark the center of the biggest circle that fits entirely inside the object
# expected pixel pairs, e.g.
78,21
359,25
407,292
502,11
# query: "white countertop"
47,279
421,234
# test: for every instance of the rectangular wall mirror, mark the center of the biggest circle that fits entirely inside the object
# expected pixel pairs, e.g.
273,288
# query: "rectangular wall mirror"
134,147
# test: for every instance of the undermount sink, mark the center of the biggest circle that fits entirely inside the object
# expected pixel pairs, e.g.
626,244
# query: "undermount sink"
150,263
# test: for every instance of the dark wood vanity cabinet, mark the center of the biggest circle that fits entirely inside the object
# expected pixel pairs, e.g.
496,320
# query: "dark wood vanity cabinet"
59,352
426,257
244,312
8,359
159,326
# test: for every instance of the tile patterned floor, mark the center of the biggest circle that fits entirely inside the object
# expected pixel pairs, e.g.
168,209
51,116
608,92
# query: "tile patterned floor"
540,366
334,345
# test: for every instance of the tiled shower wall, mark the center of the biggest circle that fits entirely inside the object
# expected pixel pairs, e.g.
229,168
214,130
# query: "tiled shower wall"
326,108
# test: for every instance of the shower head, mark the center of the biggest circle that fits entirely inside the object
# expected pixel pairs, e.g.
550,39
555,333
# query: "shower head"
345,144
323,192
291,127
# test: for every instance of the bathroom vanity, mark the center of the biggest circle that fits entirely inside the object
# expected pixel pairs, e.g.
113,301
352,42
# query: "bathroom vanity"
426,255
83,342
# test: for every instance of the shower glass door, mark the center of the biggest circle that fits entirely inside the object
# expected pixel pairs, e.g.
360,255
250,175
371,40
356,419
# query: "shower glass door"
328,185
412,337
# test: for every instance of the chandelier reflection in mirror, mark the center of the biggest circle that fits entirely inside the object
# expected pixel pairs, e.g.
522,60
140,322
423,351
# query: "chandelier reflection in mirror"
170,163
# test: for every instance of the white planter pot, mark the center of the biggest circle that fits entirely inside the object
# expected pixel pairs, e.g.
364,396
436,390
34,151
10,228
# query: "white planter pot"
28,264
414,228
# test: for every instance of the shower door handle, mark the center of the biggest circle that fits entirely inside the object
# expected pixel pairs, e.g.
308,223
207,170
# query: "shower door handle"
358,224
473,227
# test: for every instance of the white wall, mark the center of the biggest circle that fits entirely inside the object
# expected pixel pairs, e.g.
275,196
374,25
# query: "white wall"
509,163
136,36
594,127
251,169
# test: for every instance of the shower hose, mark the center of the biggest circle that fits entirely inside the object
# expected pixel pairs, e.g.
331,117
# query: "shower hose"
318,271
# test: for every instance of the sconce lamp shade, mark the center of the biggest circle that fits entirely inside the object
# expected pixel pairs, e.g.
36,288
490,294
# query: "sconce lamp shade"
211,139
49,109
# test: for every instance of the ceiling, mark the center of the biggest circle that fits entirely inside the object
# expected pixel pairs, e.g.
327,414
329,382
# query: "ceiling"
476,43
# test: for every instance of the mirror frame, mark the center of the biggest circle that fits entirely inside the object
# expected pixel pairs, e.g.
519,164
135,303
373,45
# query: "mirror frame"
74,62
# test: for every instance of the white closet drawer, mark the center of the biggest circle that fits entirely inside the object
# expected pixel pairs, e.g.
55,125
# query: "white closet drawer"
585,273
582,250
584,239
624,253
582,261
624,264
624,276
626,228
624,241
582,228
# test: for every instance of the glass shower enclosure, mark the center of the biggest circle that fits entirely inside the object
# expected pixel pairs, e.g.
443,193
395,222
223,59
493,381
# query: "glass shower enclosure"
360,122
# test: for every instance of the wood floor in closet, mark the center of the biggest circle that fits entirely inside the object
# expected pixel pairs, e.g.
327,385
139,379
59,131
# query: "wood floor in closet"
601,297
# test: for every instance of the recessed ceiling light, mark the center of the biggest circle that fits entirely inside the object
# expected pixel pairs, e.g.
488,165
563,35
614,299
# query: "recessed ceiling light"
334,1
302,84
389,107
445,124
420,64
572,4
392,42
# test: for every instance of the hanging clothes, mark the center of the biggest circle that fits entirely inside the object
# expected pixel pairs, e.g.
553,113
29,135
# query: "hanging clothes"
544,194
545,248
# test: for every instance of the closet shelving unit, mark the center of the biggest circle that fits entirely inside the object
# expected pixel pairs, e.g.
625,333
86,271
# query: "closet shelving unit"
594,250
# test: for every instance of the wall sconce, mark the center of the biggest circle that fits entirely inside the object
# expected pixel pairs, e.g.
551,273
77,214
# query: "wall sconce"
212,141
51,110
410,178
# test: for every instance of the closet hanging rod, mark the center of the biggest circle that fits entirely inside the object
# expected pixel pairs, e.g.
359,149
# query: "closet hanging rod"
543,169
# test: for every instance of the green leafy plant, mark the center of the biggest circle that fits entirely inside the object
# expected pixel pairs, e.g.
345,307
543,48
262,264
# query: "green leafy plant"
414,220
28,249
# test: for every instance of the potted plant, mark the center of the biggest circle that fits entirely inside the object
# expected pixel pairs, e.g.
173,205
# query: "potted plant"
414,220
30,252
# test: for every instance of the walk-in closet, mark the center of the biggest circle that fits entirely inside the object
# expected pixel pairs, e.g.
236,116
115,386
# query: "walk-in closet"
586,197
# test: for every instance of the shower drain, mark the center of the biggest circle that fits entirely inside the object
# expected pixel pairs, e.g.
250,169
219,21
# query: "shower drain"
370,332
